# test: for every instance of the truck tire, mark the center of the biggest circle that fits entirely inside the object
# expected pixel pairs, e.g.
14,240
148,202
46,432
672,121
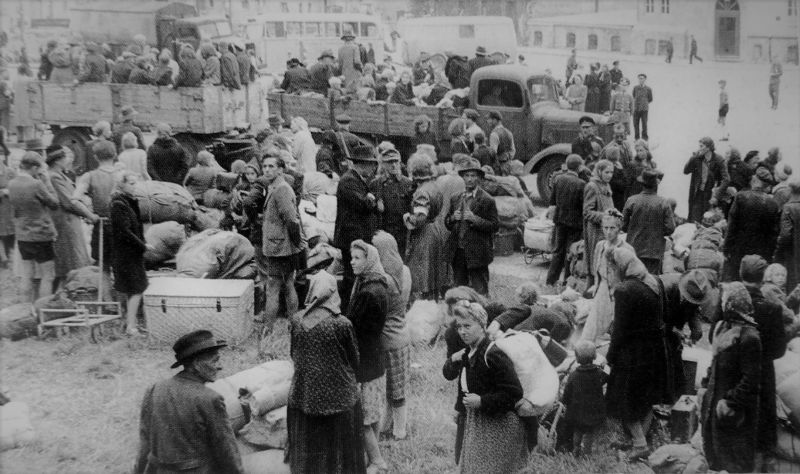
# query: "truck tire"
76,139
544,175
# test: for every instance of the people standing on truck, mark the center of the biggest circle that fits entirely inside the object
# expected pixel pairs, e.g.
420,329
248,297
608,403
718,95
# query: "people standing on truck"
229,67
393,192
349,61
576,93
693,51
403,93
708,172
211,65
296,78
128,113
566,210
61,59
45,66
457,70
166,158
95,68
190,72
321,71
501,141
121,70
572,66
480,60
622,105
604,83
642,97
423,71
140,73
775,73
245,65
162,74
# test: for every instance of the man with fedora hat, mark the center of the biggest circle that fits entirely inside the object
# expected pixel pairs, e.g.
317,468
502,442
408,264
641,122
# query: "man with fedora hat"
296,78
320,72
648,219
350,61
393,191
480,60
183,426
128,114
357,209
472,222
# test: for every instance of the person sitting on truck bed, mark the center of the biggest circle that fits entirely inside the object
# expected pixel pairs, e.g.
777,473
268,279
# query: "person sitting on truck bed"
162,74
423,71
95,66
229,67
296,78
480,60
166,158
211,66
139,74
191,68
244,63
121,71
403,93
320,72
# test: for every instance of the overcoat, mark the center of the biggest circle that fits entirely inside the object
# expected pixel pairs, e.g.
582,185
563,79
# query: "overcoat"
478,243
70,246
129,245
787,251
356,216
717,177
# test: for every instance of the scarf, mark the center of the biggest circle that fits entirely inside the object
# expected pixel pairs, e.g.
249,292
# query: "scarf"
389,256
373,270
322,293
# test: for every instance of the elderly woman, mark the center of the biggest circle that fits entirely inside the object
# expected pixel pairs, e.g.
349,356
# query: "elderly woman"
395,340
596,201
403,93
640,374
190,72
369,304
201,177
488,388
211,65
304,150
133,157
729,413
324,419
127,240
576,93
423,134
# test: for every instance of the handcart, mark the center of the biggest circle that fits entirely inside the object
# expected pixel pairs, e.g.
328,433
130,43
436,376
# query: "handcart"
537,239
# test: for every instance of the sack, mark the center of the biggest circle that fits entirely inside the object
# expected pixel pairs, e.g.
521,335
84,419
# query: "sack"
538,234
267,431
217,199
18,322
160,201
269,461
269,398
166,239
788,446
15,426
538,378
549,424
786,366
206,218
424,320
788,392
555,352
81,284
677,459
509,211
326,208
251,380
510,185
217,254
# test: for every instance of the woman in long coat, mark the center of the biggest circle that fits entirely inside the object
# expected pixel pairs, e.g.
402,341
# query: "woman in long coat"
604,83
129,246
70,245
324,419
592,84
6,214
596,201
729,413
637,355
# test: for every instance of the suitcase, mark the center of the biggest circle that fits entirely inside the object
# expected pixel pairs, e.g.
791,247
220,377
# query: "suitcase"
683,419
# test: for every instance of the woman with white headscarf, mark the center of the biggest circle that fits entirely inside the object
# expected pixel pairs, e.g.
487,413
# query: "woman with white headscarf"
304,150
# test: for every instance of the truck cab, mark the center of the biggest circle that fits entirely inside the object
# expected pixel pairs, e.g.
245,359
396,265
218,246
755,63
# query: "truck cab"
198,29
529,104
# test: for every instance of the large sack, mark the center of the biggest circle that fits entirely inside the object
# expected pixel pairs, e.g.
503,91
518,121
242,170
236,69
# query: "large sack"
537,376
267,431
786,366
265,462
503,186
682,237
788,446
269,398
82,284
509,211
424,320
206,218
217,199
160,201
788,392
677,459
538,234
18,322
217,254
794,345
166,239
326,208
15,426
269,373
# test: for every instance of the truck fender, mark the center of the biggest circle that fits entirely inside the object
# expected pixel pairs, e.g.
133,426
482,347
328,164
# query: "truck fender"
558,149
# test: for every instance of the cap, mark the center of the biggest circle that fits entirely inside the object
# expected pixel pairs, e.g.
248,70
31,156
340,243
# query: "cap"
194,343
650,177
586,119
34,144
328,53
343,118
390,155
363,154
642,75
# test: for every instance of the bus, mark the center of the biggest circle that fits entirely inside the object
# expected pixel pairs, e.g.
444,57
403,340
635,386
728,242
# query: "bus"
459,34
281,36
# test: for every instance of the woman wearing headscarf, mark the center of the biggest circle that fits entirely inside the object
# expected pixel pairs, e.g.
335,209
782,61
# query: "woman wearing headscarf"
596,201
459,141
606,277
488,389
324,419
304,150
729,412
395,340
190,73
369,302
211,65
642,160
640,375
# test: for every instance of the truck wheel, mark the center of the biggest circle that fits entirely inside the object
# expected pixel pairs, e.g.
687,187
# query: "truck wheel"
76,139
544,176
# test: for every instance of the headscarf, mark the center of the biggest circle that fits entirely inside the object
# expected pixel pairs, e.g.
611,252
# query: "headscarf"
374,265
751,269
322,293
737,311
772,271
389,254
473,311
630,267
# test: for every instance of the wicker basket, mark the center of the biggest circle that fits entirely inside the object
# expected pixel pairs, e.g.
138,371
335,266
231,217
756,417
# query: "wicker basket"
175,306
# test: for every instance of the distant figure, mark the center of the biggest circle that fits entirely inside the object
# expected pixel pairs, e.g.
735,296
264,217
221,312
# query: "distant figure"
350,60
121,71
480,60
572,65
229,67
94,66
616,74
642,96
723,109
670,50
693,51
775,73
320,72
191,69
296,79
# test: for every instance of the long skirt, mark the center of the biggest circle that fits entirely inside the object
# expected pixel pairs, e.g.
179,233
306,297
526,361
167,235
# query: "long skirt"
70,245
601,313
329,444
425,257
493,444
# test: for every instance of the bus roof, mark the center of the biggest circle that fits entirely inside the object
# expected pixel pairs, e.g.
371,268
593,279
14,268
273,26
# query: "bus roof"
458,20
149,6
507,71
205,19
347,17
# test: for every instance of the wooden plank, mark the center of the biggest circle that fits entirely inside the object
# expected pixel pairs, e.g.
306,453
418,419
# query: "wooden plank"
76,104
25,93
364,117
314,110
257,106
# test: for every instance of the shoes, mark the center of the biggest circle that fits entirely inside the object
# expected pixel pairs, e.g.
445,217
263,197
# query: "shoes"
132,332
639,454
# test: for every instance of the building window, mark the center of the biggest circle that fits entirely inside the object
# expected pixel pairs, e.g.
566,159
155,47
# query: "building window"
664,6
662,47
615,43
592,41
792,7
284,7
570,40
649,6
650,47
537,38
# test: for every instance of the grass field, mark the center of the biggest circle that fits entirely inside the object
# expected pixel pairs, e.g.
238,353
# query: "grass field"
84,400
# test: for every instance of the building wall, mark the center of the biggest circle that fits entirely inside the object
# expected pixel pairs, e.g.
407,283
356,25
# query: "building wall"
555,36
546,8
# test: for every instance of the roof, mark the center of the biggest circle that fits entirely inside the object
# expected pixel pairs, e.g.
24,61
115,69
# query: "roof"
347,17
458,20
618,18
511,71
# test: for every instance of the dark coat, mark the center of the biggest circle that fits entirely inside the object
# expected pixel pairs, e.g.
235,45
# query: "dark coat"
245,67
96,68
121,71
318,75
184,427
139,76
478,62
458,72
161,75
734,375
717,177
396,196
495,382
281,225
167,160
326,161
485,155
753,224
403,94
123,128
567,197
190,73
356,216
128,242
296,79
229,71
369,303
522,317
648,218
583,146
478,243
583,397
428,138
787,250
739,173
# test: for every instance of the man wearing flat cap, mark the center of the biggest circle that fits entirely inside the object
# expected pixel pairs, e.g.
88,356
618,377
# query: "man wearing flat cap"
393,191
296,79
709,172
472,222
583,144
648,219
320,72
184,425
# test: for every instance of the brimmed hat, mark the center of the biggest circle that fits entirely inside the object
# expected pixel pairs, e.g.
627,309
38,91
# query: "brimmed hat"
694,286
586,118
328,53
54,153
390,155
471,164
128,111
363,154
348,35
34,144
480,51
650,177
765,176
342,118
194,343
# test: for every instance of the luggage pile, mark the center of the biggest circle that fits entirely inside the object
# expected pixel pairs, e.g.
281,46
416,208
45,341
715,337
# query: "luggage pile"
787,390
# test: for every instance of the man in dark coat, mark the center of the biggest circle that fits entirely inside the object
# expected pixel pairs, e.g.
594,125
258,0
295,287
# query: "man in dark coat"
616,74
296,79
457,70
184,424
670,49
45,66
472,222
501,141
583,144
422,70
787,251
753,223
320,72
566,204
128,114
708,172
648,219
357,210
642,97
768,317
393,191
190,73
166,158
480,60
229,67
243,60
95,66
121,71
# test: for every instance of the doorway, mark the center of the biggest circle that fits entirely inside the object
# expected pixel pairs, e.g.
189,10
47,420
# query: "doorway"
727,27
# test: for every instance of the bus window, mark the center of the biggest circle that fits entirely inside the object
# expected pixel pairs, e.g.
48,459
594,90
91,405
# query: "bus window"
313,28
274,29
294,29
350,27
368,30
332,29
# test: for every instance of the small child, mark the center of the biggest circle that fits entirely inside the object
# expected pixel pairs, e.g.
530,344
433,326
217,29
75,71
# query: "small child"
583,399
723,109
